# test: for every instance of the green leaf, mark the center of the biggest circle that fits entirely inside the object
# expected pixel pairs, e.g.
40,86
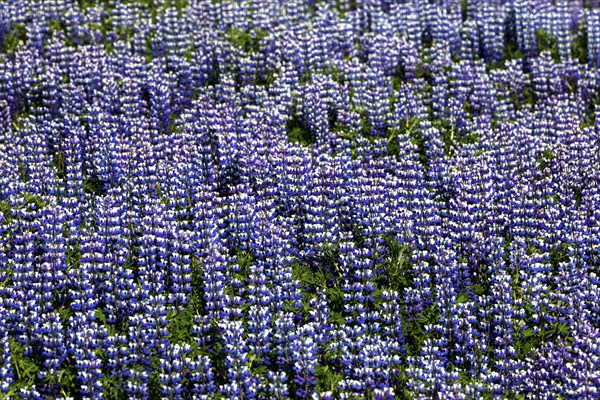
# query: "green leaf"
14,38
35,200
547,42
5,209
26,370
100,316
463,298
528,333
477,289
327,379
397,266
248,41
298,132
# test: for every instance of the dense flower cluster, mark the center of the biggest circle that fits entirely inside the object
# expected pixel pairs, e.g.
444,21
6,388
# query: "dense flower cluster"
304,199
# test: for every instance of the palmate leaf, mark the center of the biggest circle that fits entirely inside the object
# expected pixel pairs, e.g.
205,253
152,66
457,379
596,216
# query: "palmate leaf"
327,379
26,370
180,325
463,298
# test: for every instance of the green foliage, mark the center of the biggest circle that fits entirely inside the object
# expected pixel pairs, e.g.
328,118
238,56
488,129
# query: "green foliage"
427,41
531,338
323,278
65,379
94,186
558,255
578,194
398,78
410,126
256,364
32,201
547,42
100,316
266,79
55,26
159,193
327,379
245,260
5,209
463,298
397,266
305,78
58,162
14,38
572,84
512,51
589,118
424,72
298,131
464,8
25,370
579,46
180,5
150,5
452,139
528,335
189,52
544,159
414,330
365,124
337,75
248,41
35,200
83,4
309,279
478,289
64,311
529,97
418,140
197,278
112,389
344,132
180,325
149,55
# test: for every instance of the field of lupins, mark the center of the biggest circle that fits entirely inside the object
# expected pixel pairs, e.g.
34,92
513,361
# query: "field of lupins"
324,199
